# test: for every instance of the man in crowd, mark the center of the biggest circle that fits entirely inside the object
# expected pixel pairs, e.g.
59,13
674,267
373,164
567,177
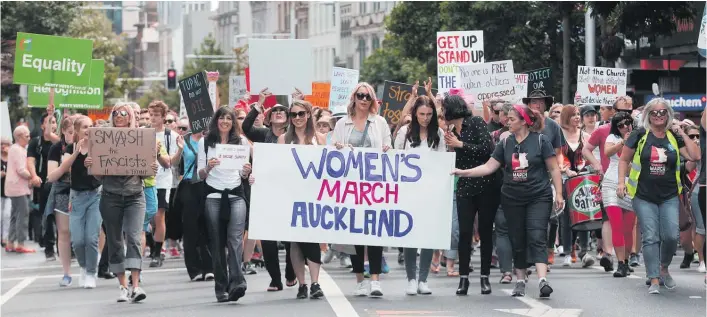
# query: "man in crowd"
17,181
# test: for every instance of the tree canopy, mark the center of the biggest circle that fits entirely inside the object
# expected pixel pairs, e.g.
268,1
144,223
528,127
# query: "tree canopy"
194,65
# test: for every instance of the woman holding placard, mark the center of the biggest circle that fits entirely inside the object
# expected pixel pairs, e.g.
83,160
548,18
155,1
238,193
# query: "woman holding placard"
423,133
526,196
226,204
363,127
302,132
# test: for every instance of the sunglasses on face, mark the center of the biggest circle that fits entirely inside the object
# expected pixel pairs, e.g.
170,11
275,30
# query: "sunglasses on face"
121,113
557,112
169,121
300,114
694,136
363,96
624,124
278,110
659,113
496,112
182,128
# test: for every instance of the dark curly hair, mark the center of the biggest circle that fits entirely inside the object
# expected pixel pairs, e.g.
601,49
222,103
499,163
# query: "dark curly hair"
455,108
213,137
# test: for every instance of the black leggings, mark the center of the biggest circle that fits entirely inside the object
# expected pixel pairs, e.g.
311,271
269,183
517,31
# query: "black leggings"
527,227
485,205
310,251
272,261
375,259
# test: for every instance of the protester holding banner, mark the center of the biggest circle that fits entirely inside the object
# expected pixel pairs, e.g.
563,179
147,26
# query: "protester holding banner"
469,137
424,133
654,184
59,175
363,127
619,210
302,131
226,205
526,196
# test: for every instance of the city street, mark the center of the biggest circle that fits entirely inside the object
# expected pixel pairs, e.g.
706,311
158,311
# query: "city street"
30,288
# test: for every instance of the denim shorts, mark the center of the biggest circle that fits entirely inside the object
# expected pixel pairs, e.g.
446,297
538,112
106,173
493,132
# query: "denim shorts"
150,206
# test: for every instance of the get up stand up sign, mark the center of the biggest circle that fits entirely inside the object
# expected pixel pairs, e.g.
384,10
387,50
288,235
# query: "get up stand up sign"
456,49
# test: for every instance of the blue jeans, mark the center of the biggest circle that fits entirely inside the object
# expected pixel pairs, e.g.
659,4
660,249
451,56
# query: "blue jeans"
85,226
660,232
697,212
223,236
453,249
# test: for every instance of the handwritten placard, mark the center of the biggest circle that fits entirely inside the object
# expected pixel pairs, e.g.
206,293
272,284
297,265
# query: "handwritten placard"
343,82
122,151
541,79
395,96
600,85
362,196
521,86
320,95
231,156
197,101
489,80
455,49
236,89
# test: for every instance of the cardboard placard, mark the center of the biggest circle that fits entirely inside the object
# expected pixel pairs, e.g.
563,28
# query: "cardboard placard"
455,49
600,85
236,89
54,61
395,96
281,65
197,101
343,82
490,80
521,85
541,79
320,95
122,151
232,156
99,114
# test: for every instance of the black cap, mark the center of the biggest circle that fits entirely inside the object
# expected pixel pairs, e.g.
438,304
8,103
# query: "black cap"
586,109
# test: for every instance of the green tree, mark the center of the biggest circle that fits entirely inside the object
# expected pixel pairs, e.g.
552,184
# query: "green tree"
158,91
39,17
388,64
192,66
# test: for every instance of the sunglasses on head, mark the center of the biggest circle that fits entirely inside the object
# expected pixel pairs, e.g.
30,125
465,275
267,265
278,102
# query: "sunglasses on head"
363,96
121,113
625,123
169,121
694,136
182,128
300,114
659,113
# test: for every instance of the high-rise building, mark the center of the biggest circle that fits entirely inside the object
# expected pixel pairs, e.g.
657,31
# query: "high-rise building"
183,25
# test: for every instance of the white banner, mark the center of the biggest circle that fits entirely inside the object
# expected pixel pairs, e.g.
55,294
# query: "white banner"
455,49
343,82
521,85
231,156
600,85
307,193
489,80
281,65
6,131
236,89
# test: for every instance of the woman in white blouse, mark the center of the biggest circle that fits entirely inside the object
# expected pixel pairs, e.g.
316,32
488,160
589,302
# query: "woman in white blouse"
226,205
423,133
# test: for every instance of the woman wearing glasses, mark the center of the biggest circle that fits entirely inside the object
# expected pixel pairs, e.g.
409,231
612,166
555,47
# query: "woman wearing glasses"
363,127
696,170
653,154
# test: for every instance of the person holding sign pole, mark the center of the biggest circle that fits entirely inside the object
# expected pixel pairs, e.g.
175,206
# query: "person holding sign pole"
422,133
122,206
302,131
526,196
226,205
363,127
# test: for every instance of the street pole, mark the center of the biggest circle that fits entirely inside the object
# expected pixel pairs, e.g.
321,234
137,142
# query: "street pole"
293,21
589,39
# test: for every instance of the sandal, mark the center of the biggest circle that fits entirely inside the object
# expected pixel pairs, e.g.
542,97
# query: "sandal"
434,268
24,250
275,287
291,283
9,249
452,273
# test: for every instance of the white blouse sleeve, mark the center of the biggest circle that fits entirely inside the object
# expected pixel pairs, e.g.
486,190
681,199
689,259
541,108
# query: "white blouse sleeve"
201,162
442,146
400,138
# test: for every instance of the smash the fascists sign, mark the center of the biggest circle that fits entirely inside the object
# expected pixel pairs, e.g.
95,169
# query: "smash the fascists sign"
122,151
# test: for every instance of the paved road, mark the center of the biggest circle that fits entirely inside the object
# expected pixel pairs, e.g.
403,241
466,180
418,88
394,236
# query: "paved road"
30,288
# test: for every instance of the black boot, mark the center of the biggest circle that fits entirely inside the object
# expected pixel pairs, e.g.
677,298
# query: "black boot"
485,285
463,288
622,270
687,260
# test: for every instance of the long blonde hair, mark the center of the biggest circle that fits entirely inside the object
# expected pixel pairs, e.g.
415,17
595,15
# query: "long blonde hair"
128,106
351,108
77,126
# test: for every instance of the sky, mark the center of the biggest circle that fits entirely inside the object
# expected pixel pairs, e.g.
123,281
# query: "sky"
214,5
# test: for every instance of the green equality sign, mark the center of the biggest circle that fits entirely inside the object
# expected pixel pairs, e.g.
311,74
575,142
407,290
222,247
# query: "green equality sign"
77,98
52,60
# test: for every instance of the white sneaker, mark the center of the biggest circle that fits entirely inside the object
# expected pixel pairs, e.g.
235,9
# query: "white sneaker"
423,289
587,260
568,261
90,281
345,261
560,250
138,295
376,290
328,256
702,268
362,289
412,287
82,278
123,297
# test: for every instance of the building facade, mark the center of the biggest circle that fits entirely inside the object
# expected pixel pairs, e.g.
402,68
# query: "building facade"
362,30
325,36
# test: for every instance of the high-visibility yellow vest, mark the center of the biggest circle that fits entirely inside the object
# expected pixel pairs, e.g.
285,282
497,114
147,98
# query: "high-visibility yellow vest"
633,176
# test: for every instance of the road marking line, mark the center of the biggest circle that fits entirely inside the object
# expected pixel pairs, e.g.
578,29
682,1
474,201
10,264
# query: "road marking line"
695,297
529,301
16,289
413,312
76,274
335,297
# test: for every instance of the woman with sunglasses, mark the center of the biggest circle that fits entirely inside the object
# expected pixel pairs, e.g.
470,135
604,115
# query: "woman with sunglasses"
692,240
302,132
363,127
424,133
59,175
619,210
526,157
226,205
653,152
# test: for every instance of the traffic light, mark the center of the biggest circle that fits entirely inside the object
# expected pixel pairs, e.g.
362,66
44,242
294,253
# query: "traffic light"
171,79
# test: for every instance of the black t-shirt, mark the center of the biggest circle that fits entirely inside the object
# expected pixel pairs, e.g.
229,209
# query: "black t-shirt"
702,178
55,153
656,183
80,179
553,133
525,176
3,165
493,126
39,149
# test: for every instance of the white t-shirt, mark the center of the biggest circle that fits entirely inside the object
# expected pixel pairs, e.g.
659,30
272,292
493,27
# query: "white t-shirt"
612,172
401,144
219,178
163,179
